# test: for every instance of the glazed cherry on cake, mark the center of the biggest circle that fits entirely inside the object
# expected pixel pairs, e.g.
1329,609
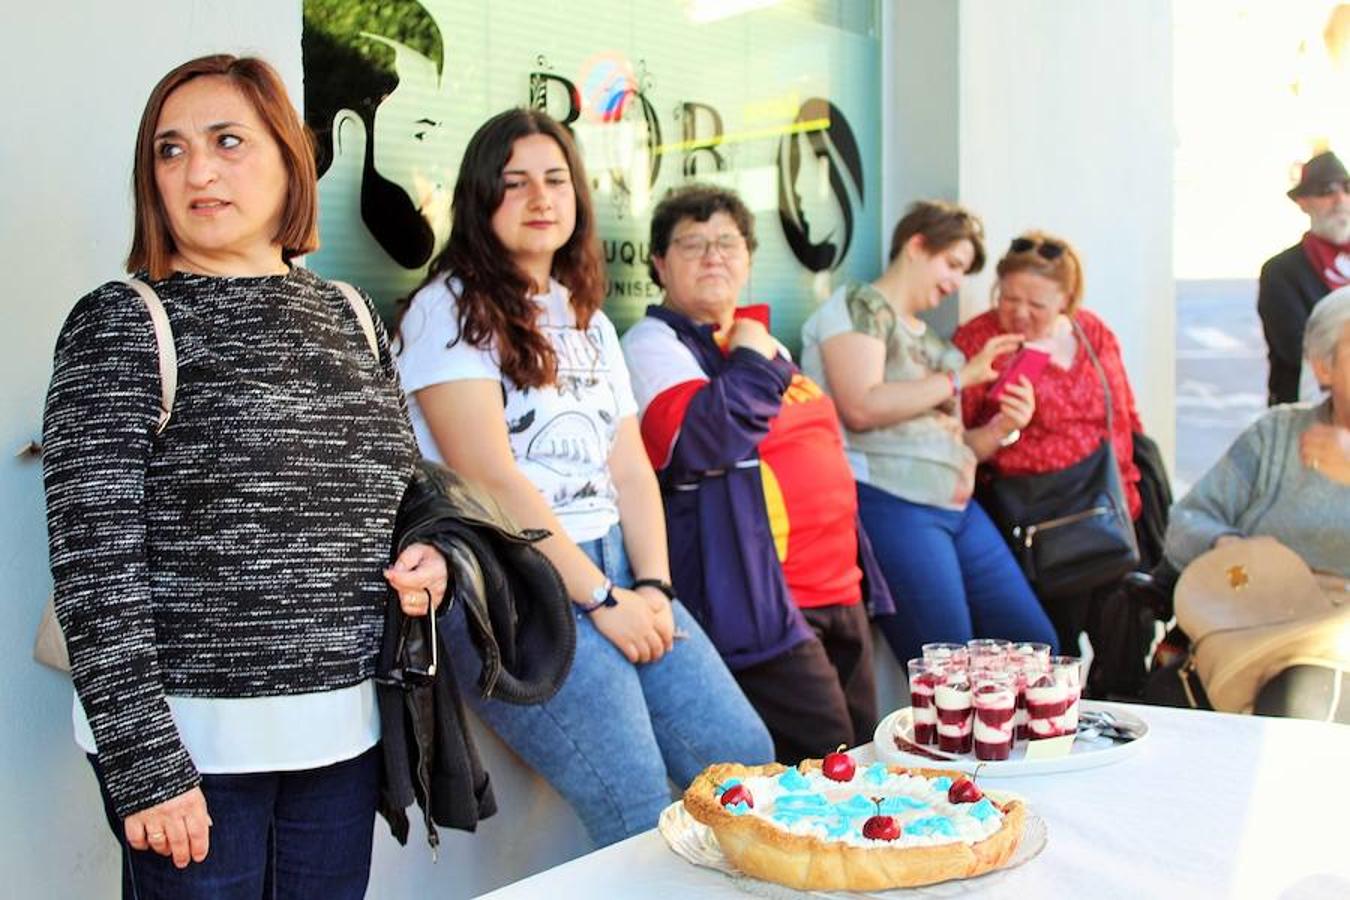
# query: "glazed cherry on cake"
838,766
963,790
737,793
881,828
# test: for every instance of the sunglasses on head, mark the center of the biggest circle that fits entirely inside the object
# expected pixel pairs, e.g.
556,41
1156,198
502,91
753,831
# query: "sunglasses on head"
1046,249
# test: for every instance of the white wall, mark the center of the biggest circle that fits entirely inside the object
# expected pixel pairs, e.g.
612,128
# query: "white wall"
1066,124
921,136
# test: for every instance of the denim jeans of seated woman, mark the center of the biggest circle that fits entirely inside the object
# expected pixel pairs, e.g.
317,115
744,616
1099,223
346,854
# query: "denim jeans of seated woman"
952,576
281,835
616,734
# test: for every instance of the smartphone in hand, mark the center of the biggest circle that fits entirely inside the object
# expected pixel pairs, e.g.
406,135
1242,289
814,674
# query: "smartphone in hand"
1028,362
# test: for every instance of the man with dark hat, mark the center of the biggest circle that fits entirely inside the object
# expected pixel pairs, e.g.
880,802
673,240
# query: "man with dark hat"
1294,280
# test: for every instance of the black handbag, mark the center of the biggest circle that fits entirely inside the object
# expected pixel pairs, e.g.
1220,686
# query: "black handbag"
1069,530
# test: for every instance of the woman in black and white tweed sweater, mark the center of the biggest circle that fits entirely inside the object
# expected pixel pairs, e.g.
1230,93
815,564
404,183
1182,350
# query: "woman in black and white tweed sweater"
222,584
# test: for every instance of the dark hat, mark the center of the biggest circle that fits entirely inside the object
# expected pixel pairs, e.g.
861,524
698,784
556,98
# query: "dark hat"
1318,172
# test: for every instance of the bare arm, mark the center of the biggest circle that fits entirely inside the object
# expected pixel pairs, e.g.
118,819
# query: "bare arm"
855,368
454,411
855,372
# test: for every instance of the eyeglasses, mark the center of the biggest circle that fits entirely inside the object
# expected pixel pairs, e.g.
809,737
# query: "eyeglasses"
1328,188
1047,250
695,246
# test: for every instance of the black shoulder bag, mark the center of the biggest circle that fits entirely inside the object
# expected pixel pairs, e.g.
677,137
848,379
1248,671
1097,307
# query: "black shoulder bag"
1069,530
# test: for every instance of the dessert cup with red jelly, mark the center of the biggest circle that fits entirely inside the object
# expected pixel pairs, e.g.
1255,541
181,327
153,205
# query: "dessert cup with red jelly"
1020,675
1052,699
952,655
1026,660
995,703
955,715
924,677
988,653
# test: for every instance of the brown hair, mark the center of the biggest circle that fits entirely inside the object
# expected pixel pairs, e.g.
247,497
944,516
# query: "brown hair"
1065,269
152,243
699,202
940,224
495,307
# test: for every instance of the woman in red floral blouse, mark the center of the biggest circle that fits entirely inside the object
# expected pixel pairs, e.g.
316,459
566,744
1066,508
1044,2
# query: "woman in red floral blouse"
1040,287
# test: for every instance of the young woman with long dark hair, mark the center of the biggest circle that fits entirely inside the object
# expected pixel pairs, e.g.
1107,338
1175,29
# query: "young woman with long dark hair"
516,380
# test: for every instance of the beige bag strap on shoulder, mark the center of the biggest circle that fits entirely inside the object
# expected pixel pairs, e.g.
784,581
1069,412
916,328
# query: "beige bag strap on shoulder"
168,352
359,307
49,648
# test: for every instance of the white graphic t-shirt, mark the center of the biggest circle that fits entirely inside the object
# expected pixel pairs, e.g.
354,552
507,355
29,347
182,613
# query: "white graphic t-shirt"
561,434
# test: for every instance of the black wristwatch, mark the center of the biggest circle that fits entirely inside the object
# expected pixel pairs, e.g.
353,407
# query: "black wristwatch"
664,587
601,597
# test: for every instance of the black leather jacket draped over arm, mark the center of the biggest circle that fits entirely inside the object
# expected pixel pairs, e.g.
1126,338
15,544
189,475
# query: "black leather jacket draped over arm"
522,625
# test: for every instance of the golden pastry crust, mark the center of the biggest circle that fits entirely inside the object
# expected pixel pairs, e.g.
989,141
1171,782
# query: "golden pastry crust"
809,863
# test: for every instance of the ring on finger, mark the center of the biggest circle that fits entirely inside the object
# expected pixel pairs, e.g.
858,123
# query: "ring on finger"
155,836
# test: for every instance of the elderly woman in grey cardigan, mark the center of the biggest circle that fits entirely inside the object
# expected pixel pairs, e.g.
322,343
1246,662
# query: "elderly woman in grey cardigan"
1288,475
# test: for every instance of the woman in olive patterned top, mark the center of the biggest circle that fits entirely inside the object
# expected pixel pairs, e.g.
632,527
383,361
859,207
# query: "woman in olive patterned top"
897,386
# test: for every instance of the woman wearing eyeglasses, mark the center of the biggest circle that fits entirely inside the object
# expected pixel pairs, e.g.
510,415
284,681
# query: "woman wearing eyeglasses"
1039,296
761,513
896,384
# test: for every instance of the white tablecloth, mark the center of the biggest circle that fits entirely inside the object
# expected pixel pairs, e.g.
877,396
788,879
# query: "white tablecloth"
1212,805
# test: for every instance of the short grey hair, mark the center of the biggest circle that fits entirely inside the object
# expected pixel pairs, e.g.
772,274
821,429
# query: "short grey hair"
1326,325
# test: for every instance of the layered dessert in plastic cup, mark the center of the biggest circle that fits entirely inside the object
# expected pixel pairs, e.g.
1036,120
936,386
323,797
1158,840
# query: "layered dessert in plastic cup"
924,677
954,655
988,653
955,711
1026,660
1052,699
995,704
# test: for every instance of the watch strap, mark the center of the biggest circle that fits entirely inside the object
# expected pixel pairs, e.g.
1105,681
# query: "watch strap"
664,587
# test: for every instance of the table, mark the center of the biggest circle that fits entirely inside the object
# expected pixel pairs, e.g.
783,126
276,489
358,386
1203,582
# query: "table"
1212,805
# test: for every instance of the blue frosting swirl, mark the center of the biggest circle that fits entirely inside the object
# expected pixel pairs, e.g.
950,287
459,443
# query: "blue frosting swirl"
930,825
982,809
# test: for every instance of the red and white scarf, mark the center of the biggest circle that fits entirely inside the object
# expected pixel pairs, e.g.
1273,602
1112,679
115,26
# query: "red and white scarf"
1330,261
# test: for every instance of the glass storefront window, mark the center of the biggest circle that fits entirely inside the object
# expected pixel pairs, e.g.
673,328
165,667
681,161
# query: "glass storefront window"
780,100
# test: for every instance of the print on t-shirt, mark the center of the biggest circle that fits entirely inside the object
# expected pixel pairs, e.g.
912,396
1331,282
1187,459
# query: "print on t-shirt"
560,434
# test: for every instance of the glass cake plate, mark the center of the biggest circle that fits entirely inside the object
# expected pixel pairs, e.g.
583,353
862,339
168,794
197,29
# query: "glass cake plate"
696,843
1087,752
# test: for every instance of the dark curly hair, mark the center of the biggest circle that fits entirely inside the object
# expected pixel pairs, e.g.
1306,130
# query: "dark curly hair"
699,202
495,307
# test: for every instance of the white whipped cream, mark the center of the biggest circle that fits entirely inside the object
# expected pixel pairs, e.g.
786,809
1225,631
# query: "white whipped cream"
768,791
946,698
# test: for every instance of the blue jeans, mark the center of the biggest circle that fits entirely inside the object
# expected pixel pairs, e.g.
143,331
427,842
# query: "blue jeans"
292,835
951,574
616,734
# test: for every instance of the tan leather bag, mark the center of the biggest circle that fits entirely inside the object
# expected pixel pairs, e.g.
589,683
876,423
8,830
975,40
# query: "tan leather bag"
1252,609
49,646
